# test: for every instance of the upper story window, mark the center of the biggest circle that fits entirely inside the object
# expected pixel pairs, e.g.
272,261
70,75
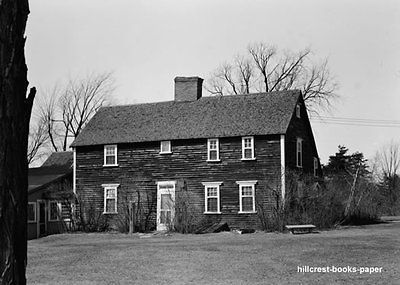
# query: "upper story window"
31,212
54,211
165,147
298,109
110,155
212,197
110,198
299,152
213,150
315,166
248,148
247,199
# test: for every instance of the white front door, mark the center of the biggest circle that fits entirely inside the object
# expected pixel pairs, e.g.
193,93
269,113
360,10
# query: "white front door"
165,205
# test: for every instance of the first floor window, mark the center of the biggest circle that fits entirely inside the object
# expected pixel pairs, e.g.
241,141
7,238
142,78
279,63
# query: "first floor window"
299,152
110,198
212,197
247,148
31,211
247,203
165,147
110,155
54,211
213,149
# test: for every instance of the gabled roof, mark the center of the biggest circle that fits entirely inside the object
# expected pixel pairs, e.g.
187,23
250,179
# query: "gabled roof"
58,165
218,116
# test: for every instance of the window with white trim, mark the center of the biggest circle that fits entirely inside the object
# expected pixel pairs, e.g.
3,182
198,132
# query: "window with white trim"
165,147
110,155
247,196
247,148
298,111
31,212
110,198
299,152
212,197
54,211
213,150
315,166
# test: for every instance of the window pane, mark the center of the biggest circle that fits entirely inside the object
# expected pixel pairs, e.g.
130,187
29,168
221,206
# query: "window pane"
213,144
247,190
110,150
247,142
212,191
213,155
53,211
31,212
110,159
248,153
110,206
212,205
110,193
165,146
247,204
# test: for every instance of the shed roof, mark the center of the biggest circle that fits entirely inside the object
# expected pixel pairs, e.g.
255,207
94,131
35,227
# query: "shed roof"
58,164
217,116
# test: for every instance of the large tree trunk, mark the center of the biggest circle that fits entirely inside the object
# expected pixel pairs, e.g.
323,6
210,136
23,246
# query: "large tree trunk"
15,112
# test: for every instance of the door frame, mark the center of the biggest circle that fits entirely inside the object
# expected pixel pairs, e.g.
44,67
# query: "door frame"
38,202
163,227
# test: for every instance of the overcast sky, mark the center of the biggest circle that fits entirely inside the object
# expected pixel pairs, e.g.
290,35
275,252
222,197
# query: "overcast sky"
147,43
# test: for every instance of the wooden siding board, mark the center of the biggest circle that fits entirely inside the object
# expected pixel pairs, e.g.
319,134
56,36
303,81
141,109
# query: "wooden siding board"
141,162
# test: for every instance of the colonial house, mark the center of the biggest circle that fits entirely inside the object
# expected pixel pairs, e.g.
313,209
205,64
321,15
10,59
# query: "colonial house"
50,195
223,156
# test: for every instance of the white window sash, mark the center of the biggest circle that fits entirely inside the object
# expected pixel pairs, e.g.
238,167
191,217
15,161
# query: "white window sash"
299,152
206,197
251,184
244,148
209,149
58,212
115,188
115,155
167,149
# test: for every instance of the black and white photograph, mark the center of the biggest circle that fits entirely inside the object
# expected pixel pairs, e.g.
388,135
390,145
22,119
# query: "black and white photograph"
199,142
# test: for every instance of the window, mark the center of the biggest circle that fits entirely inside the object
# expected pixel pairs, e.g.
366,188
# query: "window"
31,211
247,203
298,109
165,147
110,155
110,198
212,197
315,166
213,150
248,148
299,152
54,211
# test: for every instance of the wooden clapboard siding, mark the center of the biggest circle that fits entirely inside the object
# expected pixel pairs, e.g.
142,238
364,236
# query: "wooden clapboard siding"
140,166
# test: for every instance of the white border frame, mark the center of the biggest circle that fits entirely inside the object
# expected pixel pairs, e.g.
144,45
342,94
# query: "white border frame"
169,151
252,148
212,184
209,149
251,183
112,186
299,140
159,226
115,154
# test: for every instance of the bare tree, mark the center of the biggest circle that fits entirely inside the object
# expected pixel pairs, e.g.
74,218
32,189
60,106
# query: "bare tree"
15,112
388,164
37,140
264,69
64,111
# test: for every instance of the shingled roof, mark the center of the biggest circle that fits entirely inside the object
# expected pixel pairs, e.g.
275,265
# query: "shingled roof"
218,116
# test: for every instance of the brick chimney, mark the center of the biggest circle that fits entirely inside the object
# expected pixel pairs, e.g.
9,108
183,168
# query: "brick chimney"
188,88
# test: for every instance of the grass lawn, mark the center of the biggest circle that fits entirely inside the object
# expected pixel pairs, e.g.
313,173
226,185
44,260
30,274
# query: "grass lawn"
224,258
